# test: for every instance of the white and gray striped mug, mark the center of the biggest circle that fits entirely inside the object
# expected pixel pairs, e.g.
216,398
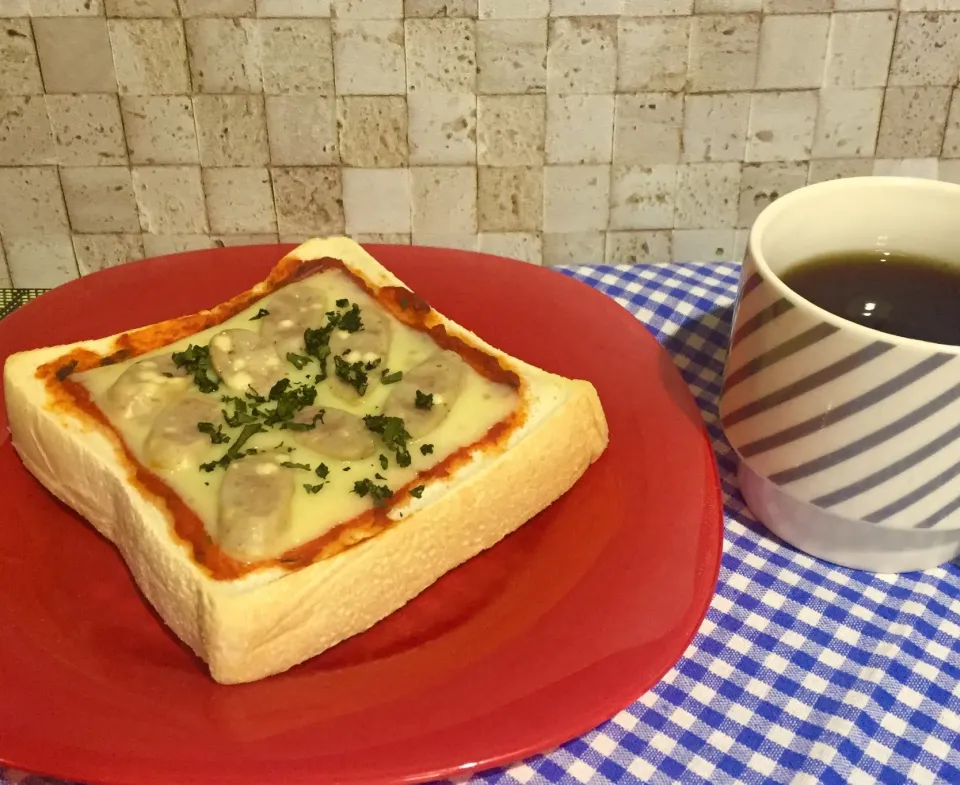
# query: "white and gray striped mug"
848,438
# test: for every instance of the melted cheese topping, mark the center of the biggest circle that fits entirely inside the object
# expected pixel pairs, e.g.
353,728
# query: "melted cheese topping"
481,405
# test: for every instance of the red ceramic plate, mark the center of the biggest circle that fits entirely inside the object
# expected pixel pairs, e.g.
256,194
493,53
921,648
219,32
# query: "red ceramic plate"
530,644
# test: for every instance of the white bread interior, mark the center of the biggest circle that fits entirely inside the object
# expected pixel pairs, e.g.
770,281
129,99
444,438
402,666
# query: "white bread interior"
270,620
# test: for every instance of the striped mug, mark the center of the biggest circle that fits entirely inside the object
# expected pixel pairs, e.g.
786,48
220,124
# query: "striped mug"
848,438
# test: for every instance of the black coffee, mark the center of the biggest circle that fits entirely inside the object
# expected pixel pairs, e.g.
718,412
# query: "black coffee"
906,295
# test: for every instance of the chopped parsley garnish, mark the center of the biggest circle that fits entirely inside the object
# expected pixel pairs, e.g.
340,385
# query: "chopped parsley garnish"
253,395
289,401
313,488
242,414
372,365
343,302
377,492
426,449
65,370
322,471
390,378
298,361
393,434
351,373
277,391
424,400
291,465
346,468
384,463
236,450
350,321
417,492
195,360
379,476
304,426
260,314
215,432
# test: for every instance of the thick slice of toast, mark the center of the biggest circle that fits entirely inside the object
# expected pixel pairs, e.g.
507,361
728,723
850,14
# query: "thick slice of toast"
257,609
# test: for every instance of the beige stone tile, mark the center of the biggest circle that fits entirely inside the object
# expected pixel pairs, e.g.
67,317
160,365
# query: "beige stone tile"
949,172
762,184
847,123
40,261
741,240
97,252
522,246
859,49
441,55
511,56
19,69
308,199
726,6
579,129
302,130
565,248
159,129
511,130
796,6
150,56
87,129
383,238
66,8
25,135
163,244
576,198
18,8
421,8
389,212
715,126
442,128
5,281
925,52
951,139
100,199
224,55
513,9
232,130
234,240
707,195
369,57
444,199
229,8
642,197
373,131
648,128
864,5
907,167
638,247
704,245
367,9
832,169
297,56
142,8
456,242
584,7
31,201
913,122
511,198
723,53
239,199
671,7
582,55
792,51
296,9
652,54
781,126
170,199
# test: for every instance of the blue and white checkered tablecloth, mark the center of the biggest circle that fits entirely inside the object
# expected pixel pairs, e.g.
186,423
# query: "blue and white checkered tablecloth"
802,672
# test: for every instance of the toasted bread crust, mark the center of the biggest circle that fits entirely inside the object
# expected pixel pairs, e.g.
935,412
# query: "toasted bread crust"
269,621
